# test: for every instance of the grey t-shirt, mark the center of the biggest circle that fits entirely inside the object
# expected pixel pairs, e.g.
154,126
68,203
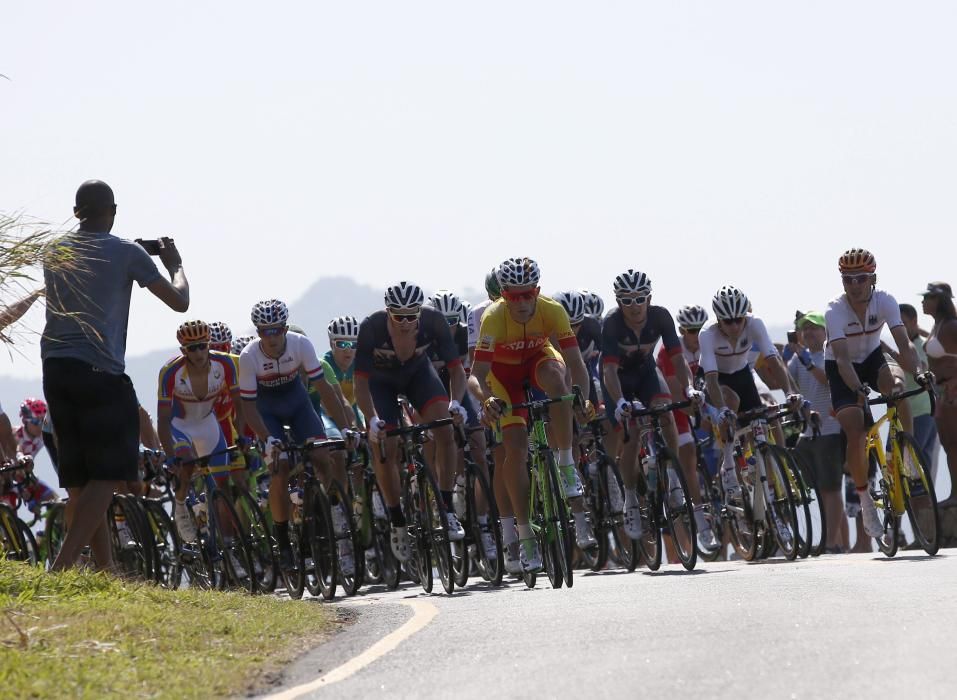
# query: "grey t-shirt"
818,394
88,308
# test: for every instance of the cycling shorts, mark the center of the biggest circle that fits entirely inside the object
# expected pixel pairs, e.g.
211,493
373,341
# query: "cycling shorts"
201,438
293,409
742,384
644,383
867,371
507,382
420,384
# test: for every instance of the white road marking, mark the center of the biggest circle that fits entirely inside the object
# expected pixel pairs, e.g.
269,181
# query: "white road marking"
423,613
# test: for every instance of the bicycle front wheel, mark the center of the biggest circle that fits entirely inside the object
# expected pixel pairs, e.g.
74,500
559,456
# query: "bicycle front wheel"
436,527
347,542
812,495
490,566
231,542
54,530
802,504
678,509
168,568
321,541
920,499
559,526
711,500
884,496
781,516
265,565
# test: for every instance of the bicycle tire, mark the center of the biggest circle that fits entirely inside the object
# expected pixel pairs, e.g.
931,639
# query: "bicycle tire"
649,544
31,551
598,504
920,497
813,494
622,550
390,570
707,489
561,531
294,579
781,506
168,568
742,528
265,565
883,496
226,519
802,506
678,508
130,552
11,541
54,530
491,569
536,519
434,516
321,542
350,583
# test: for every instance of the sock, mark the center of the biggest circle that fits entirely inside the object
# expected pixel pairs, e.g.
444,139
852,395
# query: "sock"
631,498
509,535
566,457
396,516
282,532
525,532
483,520
447,500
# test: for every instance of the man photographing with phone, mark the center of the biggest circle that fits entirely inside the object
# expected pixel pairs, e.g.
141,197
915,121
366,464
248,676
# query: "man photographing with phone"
91,401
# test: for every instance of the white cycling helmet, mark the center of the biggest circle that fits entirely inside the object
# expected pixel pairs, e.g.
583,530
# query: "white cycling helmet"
404,296
345,327
632,282
574,304
594,304
692,316
220,334
240,343
270,312
446,303
466,310
518,272
730,302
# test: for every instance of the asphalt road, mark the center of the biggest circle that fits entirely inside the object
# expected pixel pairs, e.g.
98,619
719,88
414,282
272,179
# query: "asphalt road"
837,626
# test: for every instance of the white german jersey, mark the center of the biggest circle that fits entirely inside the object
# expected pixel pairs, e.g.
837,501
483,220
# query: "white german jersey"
863,336
261,374
719,354
475,321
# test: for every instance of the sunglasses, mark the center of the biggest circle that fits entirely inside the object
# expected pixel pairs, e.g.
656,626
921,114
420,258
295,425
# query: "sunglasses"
733,321
856,279
691,331
346,344
270,332
33,421
404,318
195,347
521,296
452,320
628,301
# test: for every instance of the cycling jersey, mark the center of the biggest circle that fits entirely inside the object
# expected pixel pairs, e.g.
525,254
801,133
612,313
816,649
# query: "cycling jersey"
26,445
223,407
344,377
667,366
503,340
460,338
718,354
475,321
264,376
589,341
176,390
376,353
862,340
622,346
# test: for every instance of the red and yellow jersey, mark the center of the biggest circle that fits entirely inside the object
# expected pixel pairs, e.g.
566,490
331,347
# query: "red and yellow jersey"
223,408
505,341
176,390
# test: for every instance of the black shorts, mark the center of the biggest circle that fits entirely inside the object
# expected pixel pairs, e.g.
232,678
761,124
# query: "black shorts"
419,384
641,383
824,455
867,371
96,418
742,384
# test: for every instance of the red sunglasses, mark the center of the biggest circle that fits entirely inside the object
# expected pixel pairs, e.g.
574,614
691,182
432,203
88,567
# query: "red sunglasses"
521,296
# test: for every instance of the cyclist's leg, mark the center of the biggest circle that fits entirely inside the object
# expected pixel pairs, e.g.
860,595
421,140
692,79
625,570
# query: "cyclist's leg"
385,397
427,394
890,380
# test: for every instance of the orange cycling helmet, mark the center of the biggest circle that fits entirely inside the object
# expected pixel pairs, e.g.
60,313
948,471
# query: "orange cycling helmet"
192,332
857,260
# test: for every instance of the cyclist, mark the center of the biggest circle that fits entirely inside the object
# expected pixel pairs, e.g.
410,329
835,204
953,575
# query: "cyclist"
854,362
221,340
274,396
392,358
189,387
515,347
343,338
587,331
450,306
594,305
29,435
477,311
629,373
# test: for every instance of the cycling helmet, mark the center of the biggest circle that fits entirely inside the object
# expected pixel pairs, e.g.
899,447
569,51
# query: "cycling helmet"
446,303
270,312
33,408
692,316
466,310
220,335
240,343
574,304
293,328
491,284
730,302
404,296
857,260
518,272
192,332
345,327
632,282
594,304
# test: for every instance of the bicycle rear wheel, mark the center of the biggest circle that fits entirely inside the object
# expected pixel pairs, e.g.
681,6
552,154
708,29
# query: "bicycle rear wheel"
812,495
560,528
491,568
920,499
783,520
737,510
677,507
883,495
11,541
802,505
649,544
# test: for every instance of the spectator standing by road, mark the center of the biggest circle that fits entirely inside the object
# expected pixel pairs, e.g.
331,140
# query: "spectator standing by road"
91,401
941,349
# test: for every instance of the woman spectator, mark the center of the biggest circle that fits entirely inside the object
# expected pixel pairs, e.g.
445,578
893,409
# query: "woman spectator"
941,349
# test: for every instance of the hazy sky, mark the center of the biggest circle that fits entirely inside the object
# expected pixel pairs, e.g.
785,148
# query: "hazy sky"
703,142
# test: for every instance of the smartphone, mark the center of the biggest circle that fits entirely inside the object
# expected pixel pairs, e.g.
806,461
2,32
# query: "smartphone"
792,336
151,246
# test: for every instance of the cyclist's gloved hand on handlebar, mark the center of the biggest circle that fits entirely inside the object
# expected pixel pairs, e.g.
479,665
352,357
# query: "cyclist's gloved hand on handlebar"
924,378
586,414
273,450
693,395
727,415
622,409
376,428
493,407
796,400
457,411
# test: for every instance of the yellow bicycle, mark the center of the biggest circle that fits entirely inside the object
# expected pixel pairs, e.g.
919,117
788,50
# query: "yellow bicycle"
905,483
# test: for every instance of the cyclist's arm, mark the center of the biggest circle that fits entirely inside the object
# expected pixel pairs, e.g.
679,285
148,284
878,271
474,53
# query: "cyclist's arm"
908,358
715,395
254,420
612,385
164,414
480,370
330,401
364,398
682,374
844,365
239,409
458,382
350,414
780,374
148,435
8,442
576,366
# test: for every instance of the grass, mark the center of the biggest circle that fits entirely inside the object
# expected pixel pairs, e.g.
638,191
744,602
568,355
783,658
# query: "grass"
82,634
